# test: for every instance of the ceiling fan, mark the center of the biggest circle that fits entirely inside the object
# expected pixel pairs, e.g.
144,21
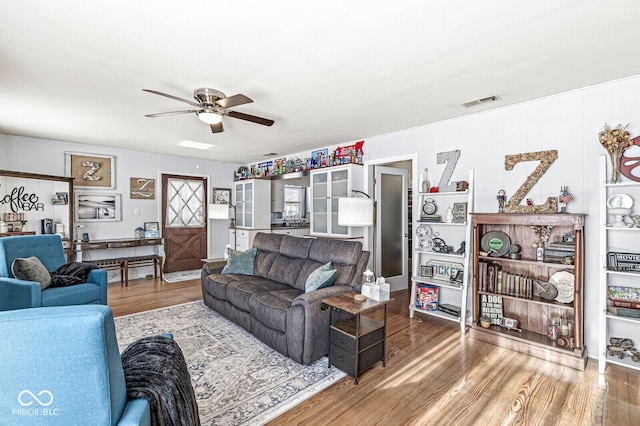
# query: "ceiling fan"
212,107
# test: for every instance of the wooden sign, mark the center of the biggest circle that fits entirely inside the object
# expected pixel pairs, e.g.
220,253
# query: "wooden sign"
142,188
491,307
451,158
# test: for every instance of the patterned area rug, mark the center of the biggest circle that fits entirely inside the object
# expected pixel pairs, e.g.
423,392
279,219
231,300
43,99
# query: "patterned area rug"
174,277
238,380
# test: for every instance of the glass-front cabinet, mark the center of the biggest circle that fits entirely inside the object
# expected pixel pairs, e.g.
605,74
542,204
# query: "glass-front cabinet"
327,185
253,203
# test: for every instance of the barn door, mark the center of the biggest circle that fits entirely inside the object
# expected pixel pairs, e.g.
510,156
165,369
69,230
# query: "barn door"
184,226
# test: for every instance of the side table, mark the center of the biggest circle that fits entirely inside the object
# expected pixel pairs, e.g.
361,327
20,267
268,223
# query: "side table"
359,342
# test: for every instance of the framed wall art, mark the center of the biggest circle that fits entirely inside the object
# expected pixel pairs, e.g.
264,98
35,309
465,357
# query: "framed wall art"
426,271
91,170
142,188
92,207
221,196
459,212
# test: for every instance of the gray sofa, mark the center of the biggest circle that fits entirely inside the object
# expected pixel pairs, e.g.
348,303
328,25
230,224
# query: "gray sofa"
272,303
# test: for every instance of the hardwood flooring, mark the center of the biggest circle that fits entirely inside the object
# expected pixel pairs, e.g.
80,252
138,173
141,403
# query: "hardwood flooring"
437,376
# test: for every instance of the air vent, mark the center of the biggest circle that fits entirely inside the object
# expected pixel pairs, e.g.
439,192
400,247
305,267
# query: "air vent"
481,101
270,154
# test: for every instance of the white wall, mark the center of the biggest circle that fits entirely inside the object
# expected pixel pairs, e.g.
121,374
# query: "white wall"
568,123
47,157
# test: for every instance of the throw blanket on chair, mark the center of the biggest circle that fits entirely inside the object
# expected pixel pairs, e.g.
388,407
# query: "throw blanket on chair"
155,369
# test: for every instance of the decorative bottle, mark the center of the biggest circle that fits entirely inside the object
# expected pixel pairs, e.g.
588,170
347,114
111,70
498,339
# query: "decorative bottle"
426,184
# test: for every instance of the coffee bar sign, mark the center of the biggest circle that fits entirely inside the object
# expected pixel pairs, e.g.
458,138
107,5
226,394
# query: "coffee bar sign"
20,200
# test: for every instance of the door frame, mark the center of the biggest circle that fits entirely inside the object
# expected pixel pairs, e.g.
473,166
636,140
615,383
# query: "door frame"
369,176
159,210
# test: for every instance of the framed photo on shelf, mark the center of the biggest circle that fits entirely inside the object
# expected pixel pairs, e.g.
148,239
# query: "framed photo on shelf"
426,271
60,199
151,230
221,196
92,207
91,170
459,212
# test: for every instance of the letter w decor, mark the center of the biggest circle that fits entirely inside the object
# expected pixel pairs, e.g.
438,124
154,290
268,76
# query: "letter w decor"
546,158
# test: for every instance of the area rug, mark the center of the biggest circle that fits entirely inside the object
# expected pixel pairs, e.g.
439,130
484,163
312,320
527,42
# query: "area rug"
174,277
238,380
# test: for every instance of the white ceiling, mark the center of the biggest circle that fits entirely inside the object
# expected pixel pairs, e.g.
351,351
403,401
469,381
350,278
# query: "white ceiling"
328,72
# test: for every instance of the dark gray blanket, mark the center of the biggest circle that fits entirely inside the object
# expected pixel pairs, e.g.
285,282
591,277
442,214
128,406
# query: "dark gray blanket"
155,369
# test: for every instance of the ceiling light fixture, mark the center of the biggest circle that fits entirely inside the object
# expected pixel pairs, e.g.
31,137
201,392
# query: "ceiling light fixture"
210,117
195,145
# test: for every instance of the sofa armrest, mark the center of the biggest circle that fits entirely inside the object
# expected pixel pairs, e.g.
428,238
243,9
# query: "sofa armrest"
308,299
19,294
137,412
99,276
214,267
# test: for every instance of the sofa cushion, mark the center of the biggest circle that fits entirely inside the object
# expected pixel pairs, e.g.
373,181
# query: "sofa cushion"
322,277
343,254
263,262
270,308
295,246
240,262
31,269
268,242
285,270
239,292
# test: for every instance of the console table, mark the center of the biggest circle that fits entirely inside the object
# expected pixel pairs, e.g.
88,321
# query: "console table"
123,263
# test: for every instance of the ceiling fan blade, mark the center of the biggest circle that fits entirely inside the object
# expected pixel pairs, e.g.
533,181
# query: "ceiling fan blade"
235,100
155,92
217,128
252,118
163,114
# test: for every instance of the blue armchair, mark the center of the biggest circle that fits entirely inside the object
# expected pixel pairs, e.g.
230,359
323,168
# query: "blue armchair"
19,294
61,366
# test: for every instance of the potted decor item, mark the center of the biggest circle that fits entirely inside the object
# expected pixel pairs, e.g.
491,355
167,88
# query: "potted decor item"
615,141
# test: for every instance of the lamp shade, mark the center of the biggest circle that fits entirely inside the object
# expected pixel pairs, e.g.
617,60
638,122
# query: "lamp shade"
355,211
218,211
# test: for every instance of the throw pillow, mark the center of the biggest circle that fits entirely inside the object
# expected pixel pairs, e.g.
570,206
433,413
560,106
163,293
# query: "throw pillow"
240,262
31,269
322,277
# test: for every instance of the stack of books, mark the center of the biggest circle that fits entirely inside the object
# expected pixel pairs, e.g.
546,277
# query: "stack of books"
430,218
556,252
493,279
624,301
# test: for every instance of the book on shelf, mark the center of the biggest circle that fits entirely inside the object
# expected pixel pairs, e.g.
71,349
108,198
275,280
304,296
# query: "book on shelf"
629,304
623,312
430,218
450,309
629,294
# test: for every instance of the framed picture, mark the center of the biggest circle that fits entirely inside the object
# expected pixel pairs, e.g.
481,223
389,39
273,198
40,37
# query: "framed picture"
92,207
142,188
60,199
91,170
426,271
221,196
458,276
459,212
151,229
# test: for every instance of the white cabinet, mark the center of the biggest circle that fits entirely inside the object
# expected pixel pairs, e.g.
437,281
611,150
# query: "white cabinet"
327,185
244,238
295,232
436,258
618,238
253,204
277,195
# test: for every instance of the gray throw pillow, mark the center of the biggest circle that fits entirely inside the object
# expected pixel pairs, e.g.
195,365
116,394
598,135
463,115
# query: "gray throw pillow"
31,269
240,262
322,277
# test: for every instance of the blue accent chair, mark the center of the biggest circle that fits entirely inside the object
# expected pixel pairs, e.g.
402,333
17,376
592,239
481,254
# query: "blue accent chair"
62,366
19,294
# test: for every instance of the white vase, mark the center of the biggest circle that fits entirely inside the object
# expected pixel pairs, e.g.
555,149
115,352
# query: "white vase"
449,216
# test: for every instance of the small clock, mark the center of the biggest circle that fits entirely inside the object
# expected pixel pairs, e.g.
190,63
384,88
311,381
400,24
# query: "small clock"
429,206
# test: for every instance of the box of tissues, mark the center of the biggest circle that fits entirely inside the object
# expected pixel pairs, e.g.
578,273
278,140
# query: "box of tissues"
380,291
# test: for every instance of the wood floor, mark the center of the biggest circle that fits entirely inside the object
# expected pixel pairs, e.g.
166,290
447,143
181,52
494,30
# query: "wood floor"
437,376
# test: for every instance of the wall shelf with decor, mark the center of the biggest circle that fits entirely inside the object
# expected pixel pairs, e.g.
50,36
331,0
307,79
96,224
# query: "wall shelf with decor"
619,271
526,297
441,272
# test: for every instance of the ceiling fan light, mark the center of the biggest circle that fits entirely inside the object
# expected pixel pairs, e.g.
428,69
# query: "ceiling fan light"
210,117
